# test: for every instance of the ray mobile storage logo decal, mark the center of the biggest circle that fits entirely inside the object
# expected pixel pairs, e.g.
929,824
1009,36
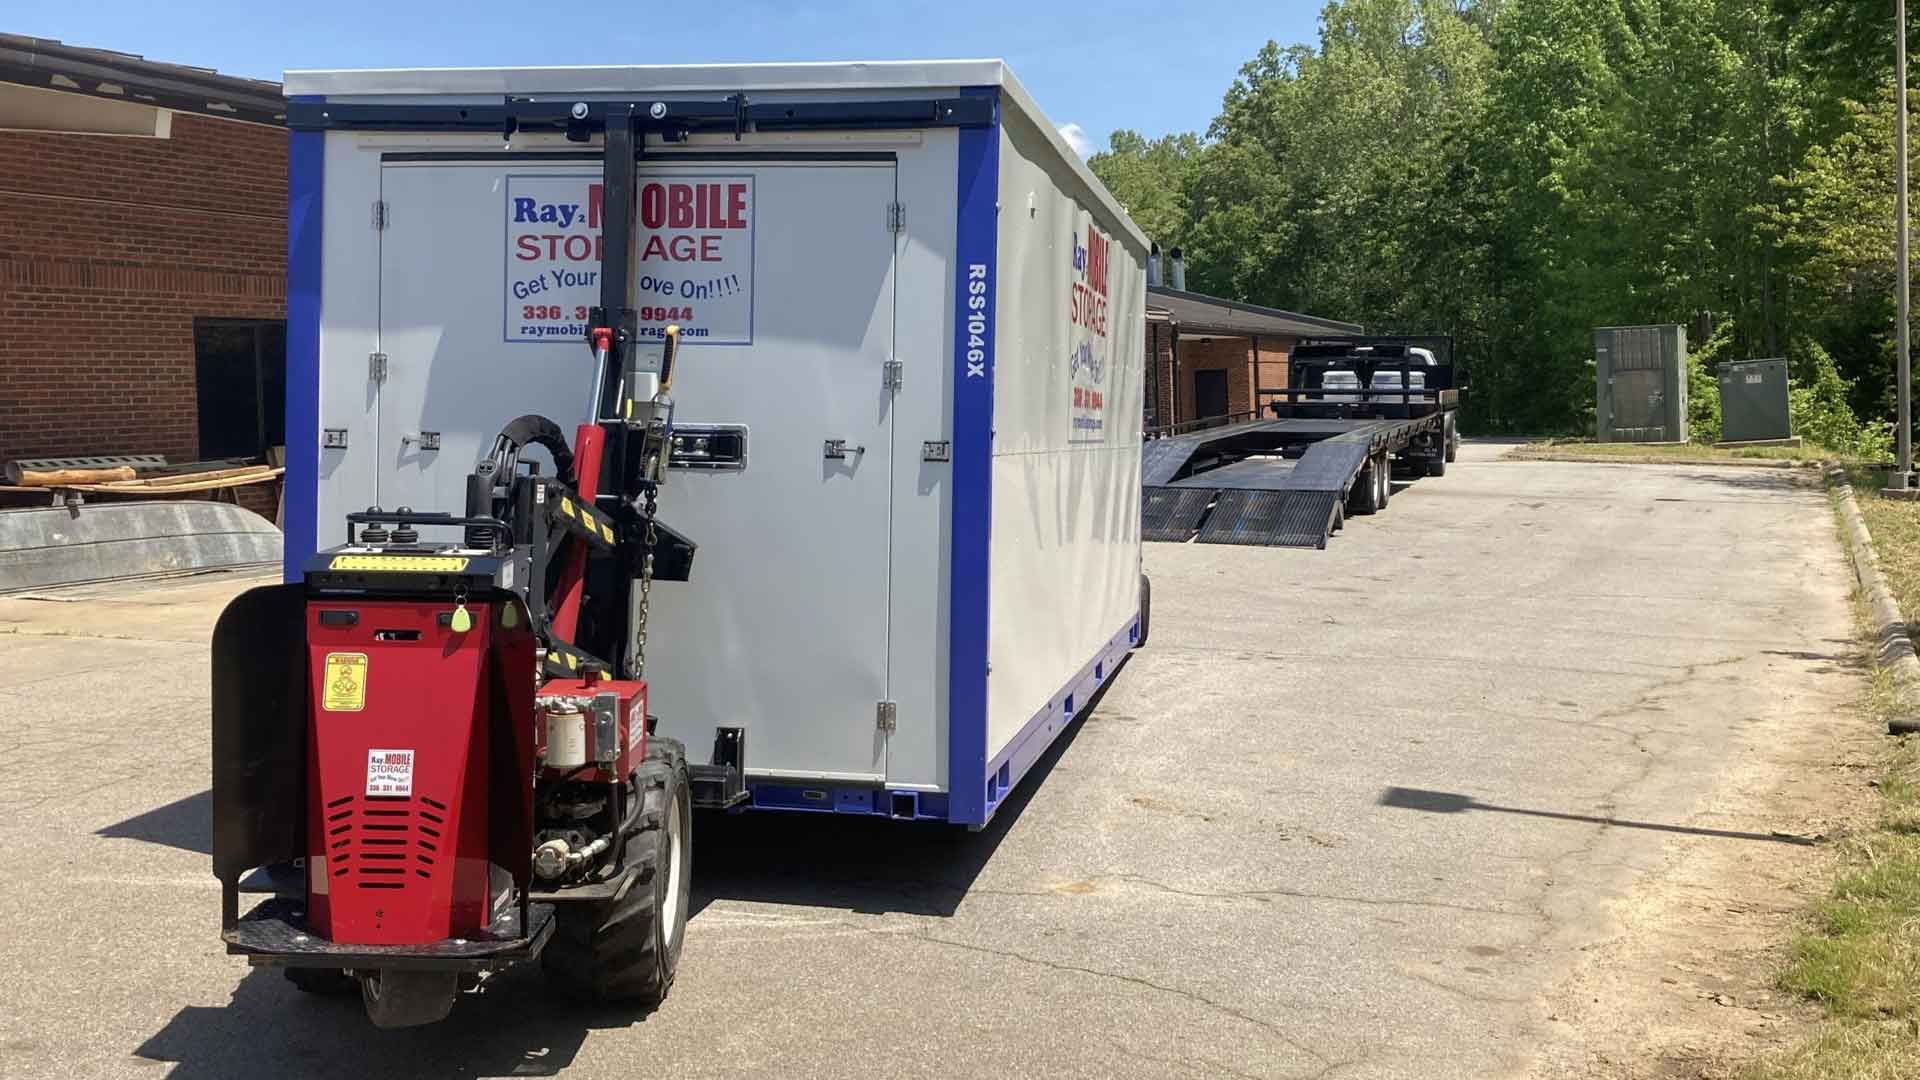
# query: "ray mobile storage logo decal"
693,257
1087,334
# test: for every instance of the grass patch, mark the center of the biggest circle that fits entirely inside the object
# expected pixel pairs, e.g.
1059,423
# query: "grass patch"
1895,525
1859,954
1670,453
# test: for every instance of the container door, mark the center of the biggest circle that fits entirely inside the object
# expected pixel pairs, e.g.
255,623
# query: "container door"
1639,386
783,628
458,367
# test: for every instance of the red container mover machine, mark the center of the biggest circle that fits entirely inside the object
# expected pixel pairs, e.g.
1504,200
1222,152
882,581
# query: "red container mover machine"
871,332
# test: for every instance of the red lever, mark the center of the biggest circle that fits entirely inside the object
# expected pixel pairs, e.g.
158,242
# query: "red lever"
602,338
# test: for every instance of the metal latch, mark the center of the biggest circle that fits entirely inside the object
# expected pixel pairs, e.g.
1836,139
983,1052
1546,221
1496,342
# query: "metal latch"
941,450
427,440
896,217
380,215
333,438
837,450
606,727
886,716
893,375
377,367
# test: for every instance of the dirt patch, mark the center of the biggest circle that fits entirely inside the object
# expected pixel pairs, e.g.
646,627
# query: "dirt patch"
1687,987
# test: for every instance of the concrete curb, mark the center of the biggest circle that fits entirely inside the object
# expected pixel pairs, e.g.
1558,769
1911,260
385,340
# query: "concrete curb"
1895,651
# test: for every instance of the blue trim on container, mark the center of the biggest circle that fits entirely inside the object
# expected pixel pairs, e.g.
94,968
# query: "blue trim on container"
1004,772
827,798
306,176
976,243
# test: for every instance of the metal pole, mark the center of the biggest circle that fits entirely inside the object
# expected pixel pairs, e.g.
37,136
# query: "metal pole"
1904,468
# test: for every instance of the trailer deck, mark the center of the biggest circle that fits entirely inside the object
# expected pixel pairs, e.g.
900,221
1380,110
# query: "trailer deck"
1276,483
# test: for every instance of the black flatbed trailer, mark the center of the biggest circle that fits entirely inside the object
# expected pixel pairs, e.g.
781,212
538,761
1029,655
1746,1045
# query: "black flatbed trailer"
1291,480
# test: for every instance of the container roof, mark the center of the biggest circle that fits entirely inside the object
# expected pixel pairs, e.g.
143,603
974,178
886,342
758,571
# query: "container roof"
834,78
1197,312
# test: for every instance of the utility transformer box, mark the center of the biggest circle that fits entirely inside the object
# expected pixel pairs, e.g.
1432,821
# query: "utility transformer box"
1640,391
1754,405
906,406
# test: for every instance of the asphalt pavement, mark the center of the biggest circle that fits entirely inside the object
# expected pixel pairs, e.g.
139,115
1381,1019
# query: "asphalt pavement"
1353,812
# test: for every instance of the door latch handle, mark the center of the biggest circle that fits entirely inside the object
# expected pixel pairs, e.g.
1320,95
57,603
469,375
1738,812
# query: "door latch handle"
837,450
426,440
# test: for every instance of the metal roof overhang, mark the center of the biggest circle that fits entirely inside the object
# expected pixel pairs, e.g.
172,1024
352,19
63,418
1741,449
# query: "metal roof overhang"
1196,313
123,77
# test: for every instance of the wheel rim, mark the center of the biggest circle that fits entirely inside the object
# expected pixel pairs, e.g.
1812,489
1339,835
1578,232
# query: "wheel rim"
676,831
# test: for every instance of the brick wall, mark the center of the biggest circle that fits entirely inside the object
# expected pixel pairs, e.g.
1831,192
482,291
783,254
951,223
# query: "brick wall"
111,247
1200,352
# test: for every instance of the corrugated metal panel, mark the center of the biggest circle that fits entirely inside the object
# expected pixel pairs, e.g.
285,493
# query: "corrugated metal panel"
1172,515
1640,391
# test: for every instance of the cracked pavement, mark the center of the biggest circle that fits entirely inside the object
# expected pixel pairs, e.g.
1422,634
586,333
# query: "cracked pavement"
1304,834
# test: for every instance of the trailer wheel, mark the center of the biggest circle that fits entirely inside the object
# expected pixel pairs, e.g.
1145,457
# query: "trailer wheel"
1364,496
1383,468
1453,439
400,999
329,981
1146,611
628,948
1437,464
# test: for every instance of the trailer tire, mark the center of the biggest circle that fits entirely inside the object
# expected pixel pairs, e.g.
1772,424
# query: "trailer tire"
1383,468
1146,611
628,948
1453,439
1437,465
1364,496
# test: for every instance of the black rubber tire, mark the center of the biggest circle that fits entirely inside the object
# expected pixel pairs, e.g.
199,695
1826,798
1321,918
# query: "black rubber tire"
1437,466
1364,496
1146,611
1384,468
1453,439
403,999
621,949
331,982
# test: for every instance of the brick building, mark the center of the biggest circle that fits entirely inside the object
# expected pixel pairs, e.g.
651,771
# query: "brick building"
1212,357
143,273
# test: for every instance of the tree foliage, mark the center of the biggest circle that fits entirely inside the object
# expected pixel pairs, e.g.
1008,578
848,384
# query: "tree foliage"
1517,172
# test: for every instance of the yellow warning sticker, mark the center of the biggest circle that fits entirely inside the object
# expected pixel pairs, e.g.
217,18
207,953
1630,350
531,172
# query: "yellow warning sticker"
345,682
418,564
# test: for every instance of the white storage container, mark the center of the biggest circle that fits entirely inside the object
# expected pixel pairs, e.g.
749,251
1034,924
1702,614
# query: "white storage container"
902,296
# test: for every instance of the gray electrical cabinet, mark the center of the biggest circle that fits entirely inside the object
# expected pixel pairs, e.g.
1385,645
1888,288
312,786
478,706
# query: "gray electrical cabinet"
1641,383
1753,401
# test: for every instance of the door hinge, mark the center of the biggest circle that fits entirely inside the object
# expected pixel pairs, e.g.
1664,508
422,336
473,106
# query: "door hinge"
377,367
380,215
896,217
893,375
886,716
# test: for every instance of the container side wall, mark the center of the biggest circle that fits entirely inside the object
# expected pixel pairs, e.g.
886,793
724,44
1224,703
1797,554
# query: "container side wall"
1069,372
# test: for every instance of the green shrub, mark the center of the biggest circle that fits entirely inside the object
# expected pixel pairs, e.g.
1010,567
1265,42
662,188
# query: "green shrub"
1821,415
1703,385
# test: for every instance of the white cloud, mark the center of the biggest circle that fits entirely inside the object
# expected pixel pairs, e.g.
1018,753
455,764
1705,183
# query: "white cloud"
1076,137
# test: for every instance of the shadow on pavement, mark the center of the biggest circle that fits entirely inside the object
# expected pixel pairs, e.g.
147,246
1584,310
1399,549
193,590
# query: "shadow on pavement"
512,1025
1447,802
861,864
184,823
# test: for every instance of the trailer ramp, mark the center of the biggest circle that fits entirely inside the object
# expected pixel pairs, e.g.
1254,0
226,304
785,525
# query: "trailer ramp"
1265,483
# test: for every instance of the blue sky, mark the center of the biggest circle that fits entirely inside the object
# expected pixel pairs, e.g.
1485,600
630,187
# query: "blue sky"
1155,67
